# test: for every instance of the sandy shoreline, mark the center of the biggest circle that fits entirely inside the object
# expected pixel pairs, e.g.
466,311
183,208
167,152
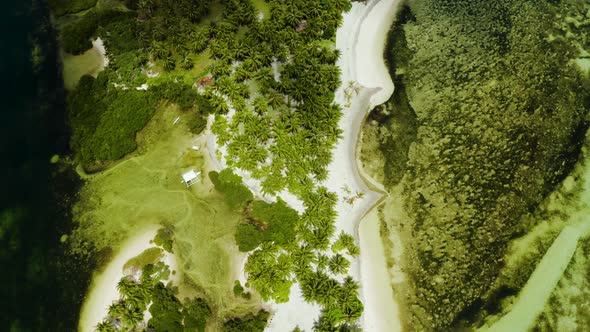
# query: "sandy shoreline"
103,289
362,61
361,40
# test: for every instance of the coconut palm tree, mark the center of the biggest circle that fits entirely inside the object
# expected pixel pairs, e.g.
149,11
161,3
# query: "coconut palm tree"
219,104
338,264
186,63
105,326
158,50
322,261
117,309
169,63
353,250
275,99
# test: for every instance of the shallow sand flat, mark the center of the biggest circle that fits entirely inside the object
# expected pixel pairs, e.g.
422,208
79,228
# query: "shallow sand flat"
103,289
90,62
378,294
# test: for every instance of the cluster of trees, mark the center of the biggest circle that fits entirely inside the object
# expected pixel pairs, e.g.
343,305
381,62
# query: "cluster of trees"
168,313
127,35
341,306
282,132
278,74
105,120
502,109
274,222
236,194
289,115
254,323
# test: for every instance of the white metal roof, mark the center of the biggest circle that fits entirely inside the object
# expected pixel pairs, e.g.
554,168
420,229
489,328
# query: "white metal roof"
190,176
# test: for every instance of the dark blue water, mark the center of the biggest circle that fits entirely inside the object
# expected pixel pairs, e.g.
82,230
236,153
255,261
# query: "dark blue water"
41,287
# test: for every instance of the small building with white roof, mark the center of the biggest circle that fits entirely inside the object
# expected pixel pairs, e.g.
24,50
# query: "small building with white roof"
191,177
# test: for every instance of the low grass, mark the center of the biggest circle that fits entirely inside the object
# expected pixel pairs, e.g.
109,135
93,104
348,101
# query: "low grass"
145,189
149,256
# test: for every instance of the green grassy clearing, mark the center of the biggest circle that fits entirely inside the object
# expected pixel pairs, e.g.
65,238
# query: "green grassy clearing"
145,189
149,256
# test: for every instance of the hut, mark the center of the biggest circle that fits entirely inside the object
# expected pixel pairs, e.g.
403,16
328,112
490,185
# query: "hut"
191,177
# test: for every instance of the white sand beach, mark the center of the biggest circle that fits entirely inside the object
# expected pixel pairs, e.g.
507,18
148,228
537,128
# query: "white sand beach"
103,289
377,292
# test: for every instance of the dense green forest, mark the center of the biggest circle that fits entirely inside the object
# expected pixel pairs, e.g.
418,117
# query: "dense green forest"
496,107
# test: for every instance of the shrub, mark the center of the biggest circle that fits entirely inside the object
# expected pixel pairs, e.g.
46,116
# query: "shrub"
196,313
238,289
230,184
279,218
250,323
248,237
63,7
165,238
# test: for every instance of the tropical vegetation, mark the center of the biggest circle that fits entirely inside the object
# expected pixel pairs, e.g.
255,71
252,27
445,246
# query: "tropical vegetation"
148,292
254,323
269,83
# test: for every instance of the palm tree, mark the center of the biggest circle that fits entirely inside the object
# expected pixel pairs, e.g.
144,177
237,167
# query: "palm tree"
117,309
322,262
241,74
275,99
353,250
169,63
187,63
124,286
158,50
350,285
105,326
338,264
131,318
220,106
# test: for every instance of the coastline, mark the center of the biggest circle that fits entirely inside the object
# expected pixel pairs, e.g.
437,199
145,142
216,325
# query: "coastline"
91,62
103,288
365,66
362,40
365,48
